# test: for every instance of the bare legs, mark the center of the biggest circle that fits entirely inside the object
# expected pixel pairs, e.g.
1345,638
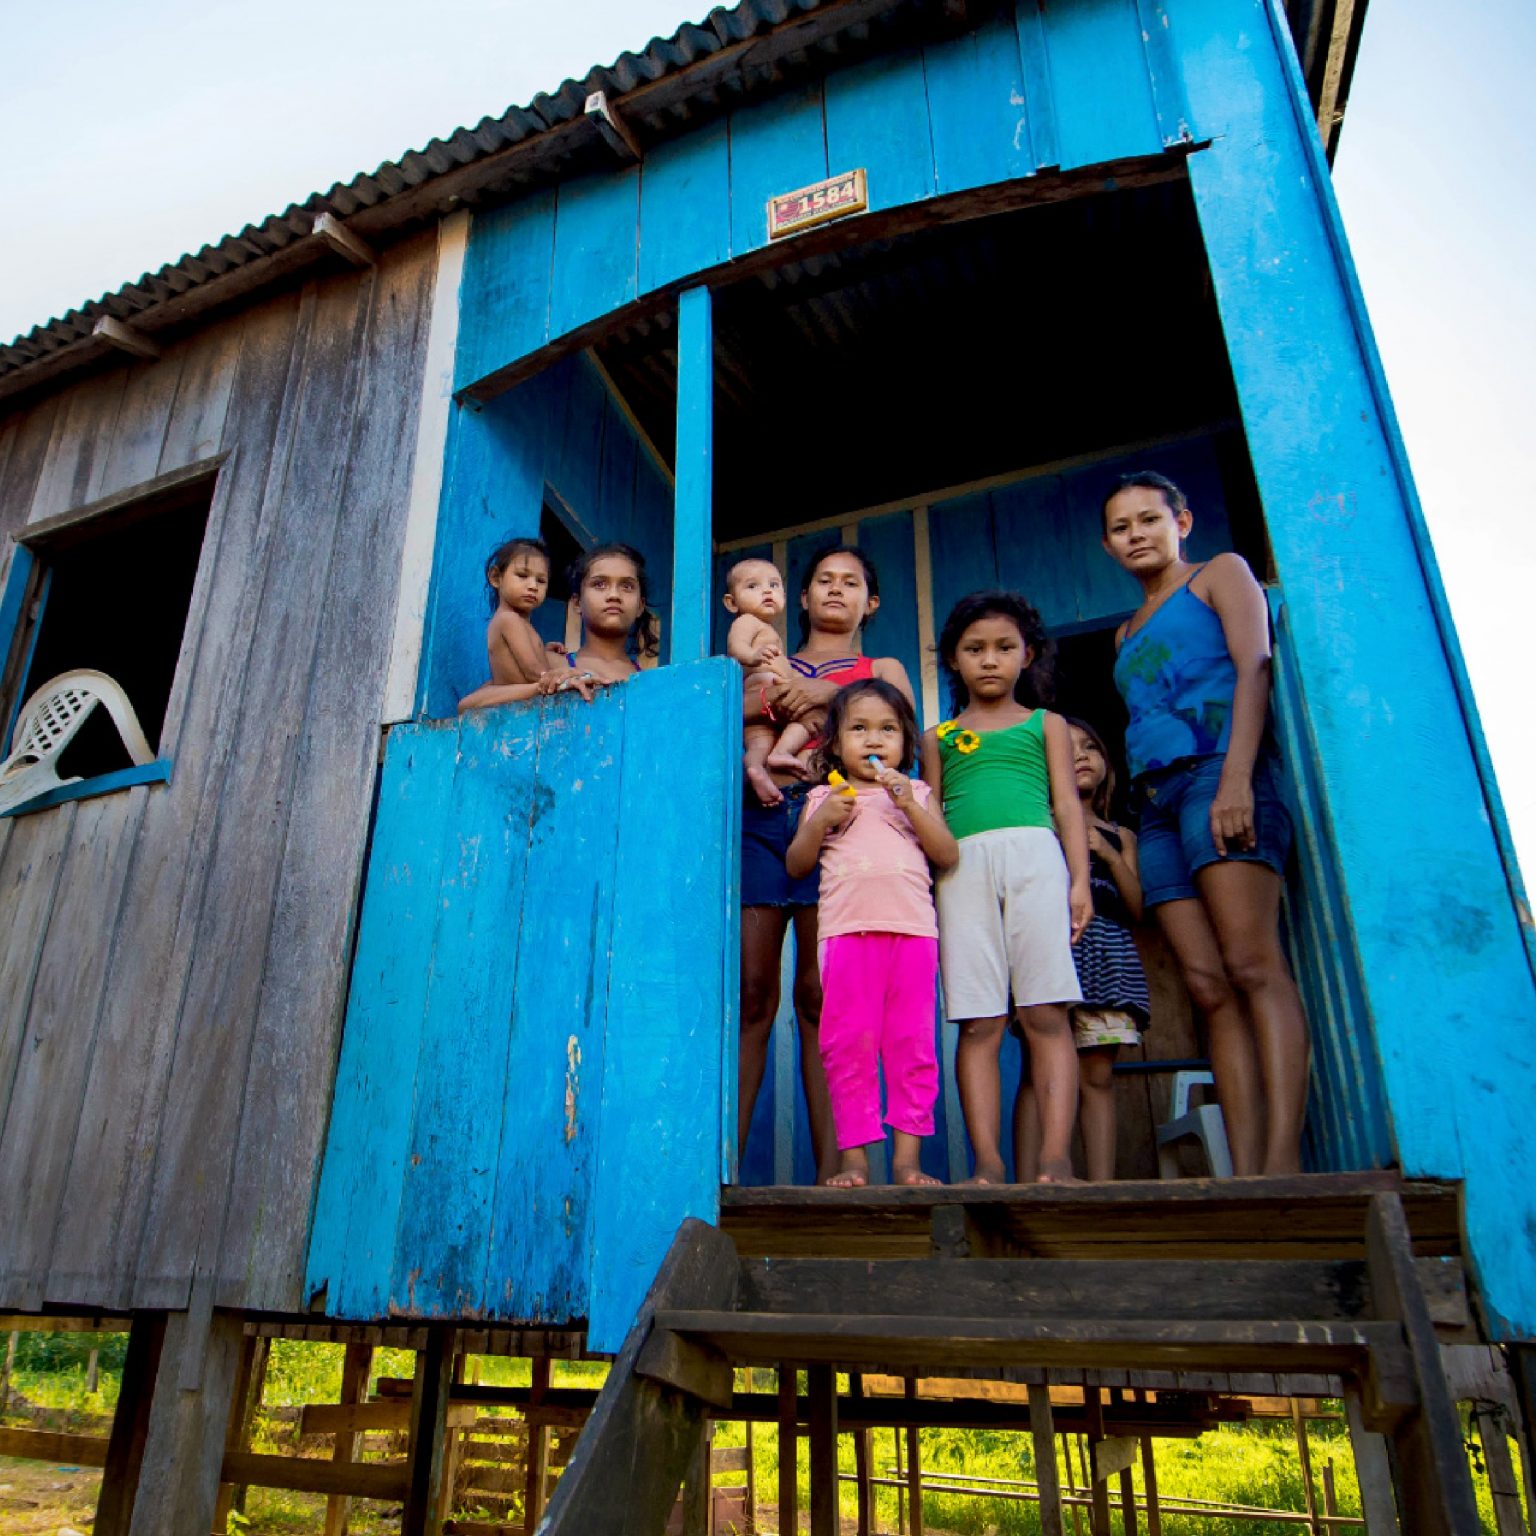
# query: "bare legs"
1053,1071
762,945
1097,1113
1228,947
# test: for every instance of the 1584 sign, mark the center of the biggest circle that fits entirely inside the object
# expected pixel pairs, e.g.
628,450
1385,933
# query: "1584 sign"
790,212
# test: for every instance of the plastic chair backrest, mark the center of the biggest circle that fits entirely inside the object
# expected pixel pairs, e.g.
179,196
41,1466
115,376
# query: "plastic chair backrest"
1182,1083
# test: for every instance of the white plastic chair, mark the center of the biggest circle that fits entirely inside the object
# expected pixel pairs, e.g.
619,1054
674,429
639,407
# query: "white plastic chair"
49,721
1204,1122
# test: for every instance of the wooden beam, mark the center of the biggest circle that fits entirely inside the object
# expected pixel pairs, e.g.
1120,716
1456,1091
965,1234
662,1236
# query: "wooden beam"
391,1416
356,1366
537,1466
49,1445
604,116
689,1367
693,505
789,1439
125,338
304,1474
40,1322
130,1426
1373,1471
429,1424
247,1399
1042,1429
821,1388
335,235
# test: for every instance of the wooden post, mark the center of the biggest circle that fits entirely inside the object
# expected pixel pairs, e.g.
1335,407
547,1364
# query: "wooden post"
1043,1428
5,1375
901,1479
1507,1515
1373,1471
242,1412
789,1486
93,1372
861,1472
429,1424
538,1450
188,1418
1128,1501
130,1426
751,1479
1330,1495
1521,1360
1149,1479
1304,1456
693,517
822,1391
356,1366
1098,1488
915,1464
453,1443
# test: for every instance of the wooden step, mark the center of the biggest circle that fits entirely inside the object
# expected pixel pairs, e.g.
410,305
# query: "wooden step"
1300,1217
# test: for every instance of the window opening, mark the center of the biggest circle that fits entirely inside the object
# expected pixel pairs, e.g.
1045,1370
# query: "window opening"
550,618
114,594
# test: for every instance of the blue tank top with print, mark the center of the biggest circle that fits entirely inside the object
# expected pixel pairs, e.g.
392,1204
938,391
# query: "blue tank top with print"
1177,678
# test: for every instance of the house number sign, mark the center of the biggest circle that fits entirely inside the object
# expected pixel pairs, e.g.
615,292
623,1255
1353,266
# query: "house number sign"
790,212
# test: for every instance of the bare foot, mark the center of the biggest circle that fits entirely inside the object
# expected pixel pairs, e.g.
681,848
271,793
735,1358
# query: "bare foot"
910,1173
853,1170
786,762
1057,1170
988,1173
768,793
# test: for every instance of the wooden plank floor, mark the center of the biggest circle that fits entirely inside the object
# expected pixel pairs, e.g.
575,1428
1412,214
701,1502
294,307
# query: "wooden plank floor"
1308,1215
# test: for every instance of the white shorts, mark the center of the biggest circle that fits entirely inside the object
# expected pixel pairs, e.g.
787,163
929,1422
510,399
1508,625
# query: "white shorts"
1005,927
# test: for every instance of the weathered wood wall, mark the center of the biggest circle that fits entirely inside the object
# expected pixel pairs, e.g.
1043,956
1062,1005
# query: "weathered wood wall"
540,1036
173,959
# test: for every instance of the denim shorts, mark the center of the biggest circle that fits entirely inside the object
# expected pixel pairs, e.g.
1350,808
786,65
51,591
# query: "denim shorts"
766,833
1175,837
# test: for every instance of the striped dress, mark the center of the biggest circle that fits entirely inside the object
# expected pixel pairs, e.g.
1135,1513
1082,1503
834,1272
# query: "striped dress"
1108,964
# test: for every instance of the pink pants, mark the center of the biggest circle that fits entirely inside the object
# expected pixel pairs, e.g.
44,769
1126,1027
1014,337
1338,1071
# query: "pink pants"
877,1006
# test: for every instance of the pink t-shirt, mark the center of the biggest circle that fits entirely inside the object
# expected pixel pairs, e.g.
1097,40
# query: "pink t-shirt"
874,873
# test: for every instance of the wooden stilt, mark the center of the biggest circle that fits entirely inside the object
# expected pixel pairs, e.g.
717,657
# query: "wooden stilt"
130,1426
915,1466
453,1442
1304,1456
1373,1472
429,1425
538,1452
751,1476
1521,1360
698,1487
1435,1488
1149,1482
861,1469
822,1392
242,1413
1491,1425
5,1373
1043,1429
1098,1488
901,1483
188,1418
1128,1519
789,1486
356,1366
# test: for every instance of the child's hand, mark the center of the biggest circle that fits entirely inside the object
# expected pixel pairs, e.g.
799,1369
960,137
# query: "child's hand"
1080,903
555,648
769,650
897,785
835,812
1099,844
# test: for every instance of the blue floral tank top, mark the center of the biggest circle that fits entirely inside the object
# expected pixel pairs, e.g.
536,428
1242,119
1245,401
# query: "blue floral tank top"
1177,679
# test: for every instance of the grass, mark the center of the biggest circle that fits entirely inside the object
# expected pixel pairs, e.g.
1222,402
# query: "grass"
1254,1464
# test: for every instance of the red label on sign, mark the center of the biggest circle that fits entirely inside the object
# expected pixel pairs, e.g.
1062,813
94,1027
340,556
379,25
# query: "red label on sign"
790,212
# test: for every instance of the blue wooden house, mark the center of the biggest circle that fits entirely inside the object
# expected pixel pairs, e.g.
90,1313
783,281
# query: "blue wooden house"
345,1010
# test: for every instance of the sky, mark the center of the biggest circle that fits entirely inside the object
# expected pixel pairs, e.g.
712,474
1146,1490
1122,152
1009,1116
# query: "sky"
137,133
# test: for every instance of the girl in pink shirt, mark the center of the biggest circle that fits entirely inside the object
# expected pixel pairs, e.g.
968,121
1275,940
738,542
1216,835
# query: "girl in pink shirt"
875,836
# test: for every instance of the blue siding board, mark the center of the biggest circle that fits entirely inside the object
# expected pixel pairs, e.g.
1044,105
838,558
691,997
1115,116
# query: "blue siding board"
877,118
693,515
358,1204
893,630
1039,90
685,203
448,1182
963,556
1162,61
597,248
504,298
1039,548
658,1156
574,466
979,111
1099,83
540,1230
776,146
1443,955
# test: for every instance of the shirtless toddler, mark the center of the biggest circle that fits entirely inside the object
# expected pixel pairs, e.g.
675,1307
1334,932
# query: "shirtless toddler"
519,576
754,591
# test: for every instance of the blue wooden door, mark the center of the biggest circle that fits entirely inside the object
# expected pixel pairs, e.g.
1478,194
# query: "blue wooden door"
538,1062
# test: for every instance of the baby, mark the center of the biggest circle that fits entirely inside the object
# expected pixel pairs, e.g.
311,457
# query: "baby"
518,574
754,591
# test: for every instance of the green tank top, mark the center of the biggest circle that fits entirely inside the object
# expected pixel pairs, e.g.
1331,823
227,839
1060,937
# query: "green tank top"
995,779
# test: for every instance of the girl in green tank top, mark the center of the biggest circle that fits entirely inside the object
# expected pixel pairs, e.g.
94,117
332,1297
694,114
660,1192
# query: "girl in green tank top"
1012,908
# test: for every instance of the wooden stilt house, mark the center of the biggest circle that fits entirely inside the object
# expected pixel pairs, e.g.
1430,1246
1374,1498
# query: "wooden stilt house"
333,1011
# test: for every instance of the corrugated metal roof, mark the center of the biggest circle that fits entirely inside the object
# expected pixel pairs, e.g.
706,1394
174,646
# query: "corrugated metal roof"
473,162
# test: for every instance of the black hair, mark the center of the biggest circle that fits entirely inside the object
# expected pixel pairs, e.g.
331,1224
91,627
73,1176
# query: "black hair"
823,553
1036,685
645,640
501,558
1146,480
1105,793
826,758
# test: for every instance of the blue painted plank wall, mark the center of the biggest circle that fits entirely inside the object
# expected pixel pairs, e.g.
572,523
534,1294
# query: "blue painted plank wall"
1031,87
538,1053
561,430
1427,893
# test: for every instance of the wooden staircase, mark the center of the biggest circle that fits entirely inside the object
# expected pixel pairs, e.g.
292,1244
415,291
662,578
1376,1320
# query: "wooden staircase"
1317,1274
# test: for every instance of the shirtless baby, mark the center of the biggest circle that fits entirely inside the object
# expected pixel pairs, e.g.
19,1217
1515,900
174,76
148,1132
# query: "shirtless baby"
519,577
754,591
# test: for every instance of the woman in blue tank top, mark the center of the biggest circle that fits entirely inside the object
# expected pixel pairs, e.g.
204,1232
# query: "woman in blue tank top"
1193,669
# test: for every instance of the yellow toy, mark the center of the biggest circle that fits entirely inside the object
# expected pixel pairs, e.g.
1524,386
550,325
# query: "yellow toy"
841,785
